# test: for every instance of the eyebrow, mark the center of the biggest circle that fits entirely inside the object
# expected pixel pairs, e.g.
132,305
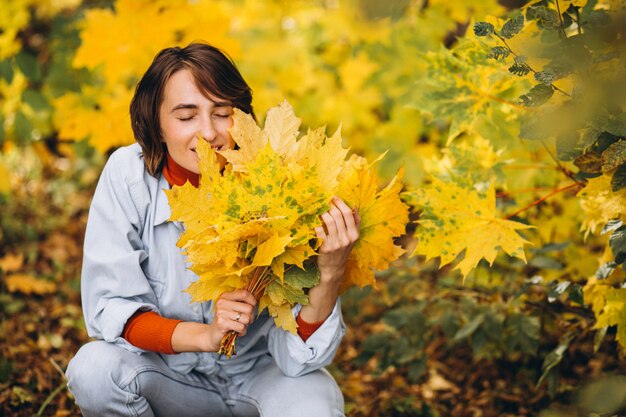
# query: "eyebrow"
195,106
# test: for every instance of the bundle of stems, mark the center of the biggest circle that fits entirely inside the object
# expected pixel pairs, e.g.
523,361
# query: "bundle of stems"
261,278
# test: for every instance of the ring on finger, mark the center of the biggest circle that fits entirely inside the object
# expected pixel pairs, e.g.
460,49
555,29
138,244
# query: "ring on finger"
238,317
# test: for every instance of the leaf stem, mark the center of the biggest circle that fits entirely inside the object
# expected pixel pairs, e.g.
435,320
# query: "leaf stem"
47,401
579,25
522,191
501,100
544,198
529,67
562,26
560,167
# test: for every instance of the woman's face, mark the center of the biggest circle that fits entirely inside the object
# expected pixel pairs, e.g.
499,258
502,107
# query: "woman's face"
185,113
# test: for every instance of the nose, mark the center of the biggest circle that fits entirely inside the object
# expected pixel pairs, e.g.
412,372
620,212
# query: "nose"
207,130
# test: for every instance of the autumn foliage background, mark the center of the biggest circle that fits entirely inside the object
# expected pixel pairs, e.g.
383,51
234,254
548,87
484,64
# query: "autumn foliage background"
508,118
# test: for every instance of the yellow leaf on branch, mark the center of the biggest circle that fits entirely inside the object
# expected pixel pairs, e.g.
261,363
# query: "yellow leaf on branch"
456,220
600,203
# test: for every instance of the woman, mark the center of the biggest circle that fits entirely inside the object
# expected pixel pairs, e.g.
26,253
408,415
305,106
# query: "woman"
156,351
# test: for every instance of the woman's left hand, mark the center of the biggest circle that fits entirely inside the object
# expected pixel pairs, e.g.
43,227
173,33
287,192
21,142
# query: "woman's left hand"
339,234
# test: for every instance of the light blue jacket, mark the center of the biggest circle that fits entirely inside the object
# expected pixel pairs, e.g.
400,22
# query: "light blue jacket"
131,262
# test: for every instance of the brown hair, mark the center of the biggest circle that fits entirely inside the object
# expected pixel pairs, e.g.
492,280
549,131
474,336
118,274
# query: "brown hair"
215,74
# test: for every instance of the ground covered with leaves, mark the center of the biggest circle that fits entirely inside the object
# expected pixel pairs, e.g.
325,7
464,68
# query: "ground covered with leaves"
421,344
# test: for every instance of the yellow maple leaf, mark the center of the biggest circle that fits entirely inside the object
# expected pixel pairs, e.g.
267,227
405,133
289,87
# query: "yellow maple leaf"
383,217
456,219
600,203
283,317
281,126
609,306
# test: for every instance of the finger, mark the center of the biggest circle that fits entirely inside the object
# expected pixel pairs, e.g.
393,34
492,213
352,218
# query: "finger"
244,296
242,318
320,232
331,227
342,235
352,229
231,308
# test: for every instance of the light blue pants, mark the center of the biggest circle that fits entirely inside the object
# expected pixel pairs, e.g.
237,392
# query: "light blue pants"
107,380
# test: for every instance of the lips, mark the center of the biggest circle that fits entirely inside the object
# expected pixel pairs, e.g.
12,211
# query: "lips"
215,148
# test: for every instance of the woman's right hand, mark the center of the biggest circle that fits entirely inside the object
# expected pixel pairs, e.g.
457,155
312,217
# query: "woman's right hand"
234,310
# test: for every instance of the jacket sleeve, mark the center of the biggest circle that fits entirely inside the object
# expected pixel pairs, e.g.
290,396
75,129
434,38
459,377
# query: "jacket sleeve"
113,283
295,357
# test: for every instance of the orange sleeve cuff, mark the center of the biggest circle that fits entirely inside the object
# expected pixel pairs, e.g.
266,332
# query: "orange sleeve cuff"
149,331
306,329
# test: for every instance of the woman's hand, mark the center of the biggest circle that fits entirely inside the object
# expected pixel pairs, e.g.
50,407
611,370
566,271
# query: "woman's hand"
339,234
234,310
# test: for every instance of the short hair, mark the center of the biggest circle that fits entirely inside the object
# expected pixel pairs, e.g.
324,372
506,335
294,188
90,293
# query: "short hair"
215,74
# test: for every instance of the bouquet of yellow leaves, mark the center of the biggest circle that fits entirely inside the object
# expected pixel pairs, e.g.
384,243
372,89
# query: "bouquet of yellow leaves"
251,225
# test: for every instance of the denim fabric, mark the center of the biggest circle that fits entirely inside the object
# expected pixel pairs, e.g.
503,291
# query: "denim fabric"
131,262
108,380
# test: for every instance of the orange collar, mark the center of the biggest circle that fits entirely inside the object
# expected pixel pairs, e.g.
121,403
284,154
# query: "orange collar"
177,175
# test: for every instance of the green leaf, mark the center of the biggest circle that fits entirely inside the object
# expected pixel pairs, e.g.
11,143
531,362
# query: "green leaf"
618,181
469,328
520,69
23,128
575,294
605,270
617,241
537,95
546,77
546,18
35,100
545,262
302,278
285,293
499,52
483,28
6,70
512,27
27,63
553,358
522,333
